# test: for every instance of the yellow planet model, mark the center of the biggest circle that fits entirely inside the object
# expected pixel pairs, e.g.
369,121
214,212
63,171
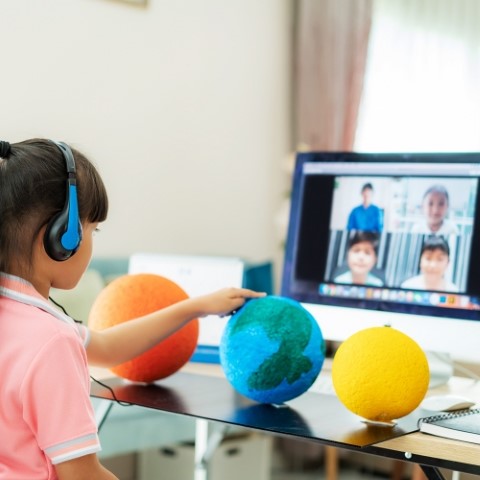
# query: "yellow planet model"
380,374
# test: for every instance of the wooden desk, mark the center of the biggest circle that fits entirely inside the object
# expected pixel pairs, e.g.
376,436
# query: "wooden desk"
200,391
432,451
435,451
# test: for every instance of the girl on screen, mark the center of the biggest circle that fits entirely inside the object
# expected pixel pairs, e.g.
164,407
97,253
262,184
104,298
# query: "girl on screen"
435,205
434,260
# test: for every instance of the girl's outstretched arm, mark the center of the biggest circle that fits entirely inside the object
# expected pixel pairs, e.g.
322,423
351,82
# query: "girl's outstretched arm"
124,341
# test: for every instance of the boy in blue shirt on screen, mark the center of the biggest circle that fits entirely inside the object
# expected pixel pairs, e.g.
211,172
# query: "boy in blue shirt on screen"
367,216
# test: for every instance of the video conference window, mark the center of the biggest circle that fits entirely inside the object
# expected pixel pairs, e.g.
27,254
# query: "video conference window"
401,232
385,241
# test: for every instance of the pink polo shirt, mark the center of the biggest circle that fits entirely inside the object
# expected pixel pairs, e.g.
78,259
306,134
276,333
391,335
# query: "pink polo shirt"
46,416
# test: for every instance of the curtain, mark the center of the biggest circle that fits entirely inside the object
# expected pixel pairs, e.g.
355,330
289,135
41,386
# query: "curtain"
330,57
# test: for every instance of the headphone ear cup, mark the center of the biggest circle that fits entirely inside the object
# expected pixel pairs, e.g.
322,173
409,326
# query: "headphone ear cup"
64,231
52,239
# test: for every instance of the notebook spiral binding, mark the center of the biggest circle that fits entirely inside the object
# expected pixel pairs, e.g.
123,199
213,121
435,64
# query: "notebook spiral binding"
446,416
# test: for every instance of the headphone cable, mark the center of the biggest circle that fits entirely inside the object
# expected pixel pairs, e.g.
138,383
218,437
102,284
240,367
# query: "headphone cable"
104,385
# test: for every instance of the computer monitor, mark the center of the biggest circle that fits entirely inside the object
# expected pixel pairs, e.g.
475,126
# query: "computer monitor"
390,239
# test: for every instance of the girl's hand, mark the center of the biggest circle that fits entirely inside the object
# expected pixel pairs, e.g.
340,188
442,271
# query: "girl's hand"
225,301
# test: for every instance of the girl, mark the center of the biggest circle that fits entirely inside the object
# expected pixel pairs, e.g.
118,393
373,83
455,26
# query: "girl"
434,260
47,424
435,205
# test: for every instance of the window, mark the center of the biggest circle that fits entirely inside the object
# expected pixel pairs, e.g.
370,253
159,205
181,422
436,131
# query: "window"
421,90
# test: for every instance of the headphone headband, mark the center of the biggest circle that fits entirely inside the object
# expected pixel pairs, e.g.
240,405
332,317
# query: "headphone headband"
67,155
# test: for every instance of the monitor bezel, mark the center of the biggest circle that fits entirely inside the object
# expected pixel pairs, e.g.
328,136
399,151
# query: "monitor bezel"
303,291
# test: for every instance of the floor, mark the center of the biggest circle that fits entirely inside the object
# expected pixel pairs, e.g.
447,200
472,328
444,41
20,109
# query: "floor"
304,461
290,461
347,474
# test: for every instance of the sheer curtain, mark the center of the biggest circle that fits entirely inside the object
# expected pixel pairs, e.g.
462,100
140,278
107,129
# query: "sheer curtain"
422,83
330,55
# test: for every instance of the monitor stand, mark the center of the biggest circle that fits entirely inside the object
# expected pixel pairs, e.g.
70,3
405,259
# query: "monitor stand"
441,368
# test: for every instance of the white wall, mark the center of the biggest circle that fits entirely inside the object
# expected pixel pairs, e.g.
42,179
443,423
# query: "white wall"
184,106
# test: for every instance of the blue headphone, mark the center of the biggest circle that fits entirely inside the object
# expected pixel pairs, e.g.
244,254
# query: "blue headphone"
64,231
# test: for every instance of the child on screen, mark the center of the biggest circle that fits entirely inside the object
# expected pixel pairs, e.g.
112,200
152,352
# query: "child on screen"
366,216
435,206
47,425
434,260
361,259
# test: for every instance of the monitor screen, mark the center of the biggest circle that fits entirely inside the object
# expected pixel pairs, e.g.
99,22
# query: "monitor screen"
387,238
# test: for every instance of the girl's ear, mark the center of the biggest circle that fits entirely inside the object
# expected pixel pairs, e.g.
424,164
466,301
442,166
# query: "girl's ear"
38,244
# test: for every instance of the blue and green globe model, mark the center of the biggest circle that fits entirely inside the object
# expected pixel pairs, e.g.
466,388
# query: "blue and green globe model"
272,349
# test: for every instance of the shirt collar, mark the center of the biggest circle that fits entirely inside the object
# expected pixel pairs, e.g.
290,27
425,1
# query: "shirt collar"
23,291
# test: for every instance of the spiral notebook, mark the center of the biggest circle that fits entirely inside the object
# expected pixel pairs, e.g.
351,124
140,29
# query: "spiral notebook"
461,425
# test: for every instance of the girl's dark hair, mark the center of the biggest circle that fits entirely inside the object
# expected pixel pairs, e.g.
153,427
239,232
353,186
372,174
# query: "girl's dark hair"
33,189
435,242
